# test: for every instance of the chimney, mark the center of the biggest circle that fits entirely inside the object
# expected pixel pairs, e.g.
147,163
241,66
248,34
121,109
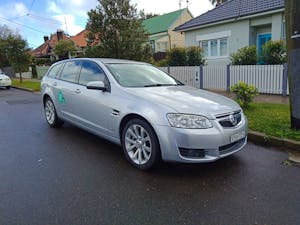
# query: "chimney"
59,34
46,38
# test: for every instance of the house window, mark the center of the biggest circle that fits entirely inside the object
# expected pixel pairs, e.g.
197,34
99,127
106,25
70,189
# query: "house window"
215,47
223,47
164,46
283,30
158,46
205,48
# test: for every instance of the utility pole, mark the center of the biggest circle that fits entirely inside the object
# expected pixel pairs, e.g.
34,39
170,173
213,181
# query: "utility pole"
292,19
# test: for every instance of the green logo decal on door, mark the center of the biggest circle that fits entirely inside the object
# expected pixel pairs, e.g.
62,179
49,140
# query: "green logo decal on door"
61,97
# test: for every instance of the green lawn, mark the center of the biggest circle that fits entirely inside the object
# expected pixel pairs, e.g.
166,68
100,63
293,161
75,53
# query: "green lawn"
34,85
271,119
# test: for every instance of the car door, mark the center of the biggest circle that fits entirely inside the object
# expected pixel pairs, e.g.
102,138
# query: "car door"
66,89
93,106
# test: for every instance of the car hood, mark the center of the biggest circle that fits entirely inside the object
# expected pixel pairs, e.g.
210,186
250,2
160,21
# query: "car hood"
2,76
185,99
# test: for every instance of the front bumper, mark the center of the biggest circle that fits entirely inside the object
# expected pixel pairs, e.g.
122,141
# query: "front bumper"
200,145
5,82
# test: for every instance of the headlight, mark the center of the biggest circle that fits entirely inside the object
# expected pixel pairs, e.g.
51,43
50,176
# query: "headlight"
188,121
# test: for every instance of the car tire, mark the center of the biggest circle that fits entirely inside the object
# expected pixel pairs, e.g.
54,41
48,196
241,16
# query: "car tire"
7,87
140,144
51,115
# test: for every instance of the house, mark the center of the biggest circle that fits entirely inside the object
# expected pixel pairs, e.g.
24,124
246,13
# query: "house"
80,41
160,29
233,25
46,50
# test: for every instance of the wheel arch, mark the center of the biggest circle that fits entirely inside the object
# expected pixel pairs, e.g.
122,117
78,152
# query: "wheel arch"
131,116
45,96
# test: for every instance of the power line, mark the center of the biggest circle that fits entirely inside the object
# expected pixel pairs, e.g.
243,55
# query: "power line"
37,17
33,1
28,27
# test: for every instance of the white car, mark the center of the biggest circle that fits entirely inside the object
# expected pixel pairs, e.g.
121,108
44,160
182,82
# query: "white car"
151,114
5,81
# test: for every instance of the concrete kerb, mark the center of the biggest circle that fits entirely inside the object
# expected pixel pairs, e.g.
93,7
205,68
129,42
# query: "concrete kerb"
291,146
24,89
257,138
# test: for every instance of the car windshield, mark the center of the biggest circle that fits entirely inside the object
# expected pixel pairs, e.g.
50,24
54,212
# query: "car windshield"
140,75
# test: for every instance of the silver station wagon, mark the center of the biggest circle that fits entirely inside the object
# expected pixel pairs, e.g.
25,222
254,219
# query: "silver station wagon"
150,114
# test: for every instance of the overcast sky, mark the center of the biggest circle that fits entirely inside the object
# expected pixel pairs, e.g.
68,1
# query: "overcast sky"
36,18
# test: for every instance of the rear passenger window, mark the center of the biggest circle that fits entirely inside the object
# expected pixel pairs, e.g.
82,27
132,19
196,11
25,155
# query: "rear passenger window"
71,71
54,70
90,71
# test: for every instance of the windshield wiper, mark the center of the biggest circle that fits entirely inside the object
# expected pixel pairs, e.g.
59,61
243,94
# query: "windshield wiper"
159,85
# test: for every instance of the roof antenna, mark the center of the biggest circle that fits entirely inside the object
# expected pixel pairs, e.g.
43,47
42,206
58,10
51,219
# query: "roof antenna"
180,4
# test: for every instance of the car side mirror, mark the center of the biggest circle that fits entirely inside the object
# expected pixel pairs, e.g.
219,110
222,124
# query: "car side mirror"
96,85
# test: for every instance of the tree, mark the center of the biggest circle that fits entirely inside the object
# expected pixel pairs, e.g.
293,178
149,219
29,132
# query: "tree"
292,18
5,32
217,2
245,56
18,54
65,49
13,50
115,30
145,16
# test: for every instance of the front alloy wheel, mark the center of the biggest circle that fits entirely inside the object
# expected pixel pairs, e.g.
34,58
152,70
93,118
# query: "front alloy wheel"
140,144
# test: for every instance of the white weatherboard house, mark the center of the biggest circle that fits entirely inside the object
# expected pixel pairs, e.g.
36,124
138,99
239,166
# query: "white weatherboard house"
233,25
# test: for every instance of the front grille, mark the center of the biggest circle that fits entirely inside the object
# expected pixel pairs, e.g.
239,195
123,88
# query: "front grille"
231,147
230,120
192,153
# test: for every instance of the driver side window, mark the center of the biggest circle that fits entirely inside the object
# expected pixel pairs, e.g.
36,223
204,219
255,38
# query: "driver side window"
90,71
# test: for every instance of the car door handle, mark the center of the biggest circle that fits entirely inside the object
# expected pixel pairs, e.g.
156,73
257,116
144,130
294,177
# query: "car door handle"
77,91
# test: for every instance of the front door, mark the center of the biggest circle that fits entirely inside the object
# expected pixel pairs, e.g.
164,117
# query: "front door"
261,40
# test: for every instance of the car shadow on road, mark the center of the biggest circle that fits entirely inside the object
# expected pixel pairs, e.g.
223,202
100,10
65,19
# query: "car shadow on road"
107,151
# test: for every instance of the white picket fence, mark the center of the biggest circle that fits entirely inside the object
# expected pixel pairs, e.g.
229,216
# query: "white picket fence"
269,79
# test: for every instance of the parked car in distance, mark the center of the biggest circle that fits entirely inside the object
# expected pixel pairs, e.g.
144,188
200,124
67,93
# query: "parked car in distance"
5,80
149,113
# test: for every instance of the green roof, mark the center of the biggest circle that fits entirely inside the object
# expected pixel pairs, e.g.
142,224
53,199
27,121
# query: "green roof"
161,23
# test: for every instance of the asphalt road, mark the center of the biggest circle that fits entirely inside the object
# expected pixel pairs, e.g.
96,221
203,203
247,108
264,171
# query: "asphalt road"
68,176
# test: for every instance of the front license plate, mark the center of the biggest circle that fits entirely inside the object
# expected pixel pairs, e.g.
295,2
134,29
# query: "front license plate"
237,136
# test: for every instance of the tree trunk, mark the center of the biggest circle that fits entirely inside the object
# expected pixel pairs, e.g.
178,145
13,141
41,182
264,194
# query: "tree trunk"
21,78
292,18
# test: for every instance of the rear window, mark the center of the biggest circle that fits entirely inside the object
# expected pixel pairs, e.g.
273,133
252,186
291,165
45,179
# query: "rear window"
54,70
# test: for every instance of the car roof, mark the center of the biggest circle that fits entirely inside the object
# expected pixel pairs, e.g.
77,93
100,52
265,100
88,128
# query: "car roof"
105,61
112,61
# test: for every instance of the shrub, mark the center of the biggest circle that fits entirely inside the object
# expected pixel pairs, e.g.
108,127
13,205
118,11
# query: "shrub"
162,63
244,93
245,56
157,56
195,56
274,52
191,56
177,57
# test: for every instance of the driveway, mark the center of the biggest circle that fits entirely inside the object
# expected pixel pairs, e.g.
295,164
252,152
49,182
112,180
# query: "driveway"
68,176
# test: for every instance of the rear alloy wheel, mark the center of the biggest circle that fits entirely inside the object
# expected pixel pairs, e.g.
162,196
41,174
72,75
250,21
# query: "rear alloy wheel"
51,115
140,144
